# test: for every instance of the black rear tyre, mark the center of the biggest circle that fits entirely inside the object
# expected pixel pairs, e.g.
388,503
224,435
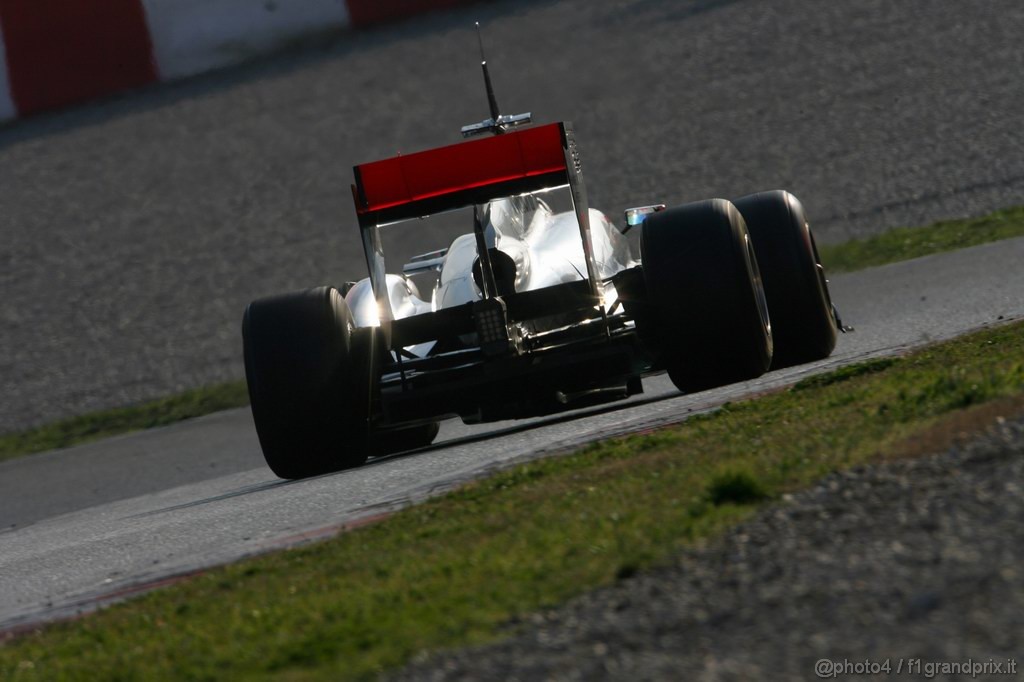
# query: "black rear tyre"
803,322
310,381
708,321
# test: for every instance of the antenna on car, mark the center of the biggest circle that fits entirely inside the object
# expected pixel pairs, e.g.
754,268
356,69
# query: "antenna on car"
492,101
497,123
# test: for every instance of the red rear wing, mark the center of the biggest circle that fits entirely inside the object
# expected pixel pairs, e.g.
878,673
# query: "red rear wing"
458,175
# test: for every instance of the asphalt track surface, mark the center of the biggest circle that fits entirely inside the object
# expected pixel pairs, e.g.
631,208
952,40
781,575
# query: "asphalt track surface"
134,231
99,521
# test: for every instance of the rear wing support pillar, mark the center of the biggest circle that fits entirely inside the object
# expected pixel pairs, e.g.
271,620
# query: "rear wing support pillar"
490,286
378,278
580,204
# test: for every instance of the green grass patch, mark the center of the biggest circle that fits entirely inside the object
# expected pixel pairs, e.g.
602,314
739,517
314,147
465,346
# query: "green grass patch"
454,570
97,425
911,242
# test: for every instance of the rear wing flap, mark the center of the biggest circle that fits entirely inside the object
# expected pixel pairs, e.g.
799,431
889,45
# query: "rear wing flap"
474,172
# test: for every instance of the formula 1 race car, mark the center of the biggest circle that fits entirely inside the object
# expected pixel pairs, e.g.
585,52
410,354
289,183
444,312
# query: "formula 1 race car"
533,310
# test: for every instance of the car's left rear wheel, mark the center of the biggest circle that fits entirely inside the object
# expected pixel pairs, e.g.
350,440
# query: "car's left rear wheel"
310,376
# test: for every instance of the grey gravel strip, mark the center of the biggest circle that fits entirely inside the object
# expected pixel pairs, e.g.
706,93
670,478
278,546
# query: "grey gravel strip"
909,564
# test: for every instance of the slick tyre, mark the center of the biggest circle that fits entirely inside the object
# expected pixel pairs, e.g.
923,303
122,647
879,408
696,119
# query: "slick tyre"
310,381
708,316
803,323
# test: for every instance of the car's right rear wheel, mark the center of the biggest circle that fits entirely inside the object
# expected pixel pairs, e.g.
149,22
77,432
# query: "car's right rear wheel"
803,321
708,321
310,377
